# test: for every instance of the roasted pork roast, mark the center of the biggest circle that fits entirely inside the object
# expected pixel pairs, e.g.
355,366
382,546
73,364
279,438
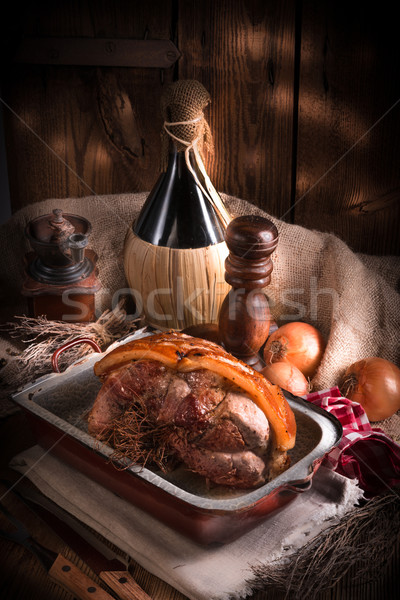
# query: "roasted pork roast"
223,420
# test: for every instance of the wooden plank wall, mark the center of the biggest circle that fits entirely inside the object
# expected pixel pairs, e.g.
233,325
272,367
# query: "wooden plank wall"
305,107
348,145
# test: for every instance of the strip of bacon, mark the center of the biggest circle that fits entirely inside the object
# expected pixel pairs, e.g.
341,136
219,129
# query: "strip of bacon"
185,353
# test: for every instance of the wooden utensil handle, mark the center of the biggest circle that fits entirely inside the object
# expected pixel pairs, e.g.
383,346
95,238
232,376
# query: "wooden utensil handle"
123,584
67,574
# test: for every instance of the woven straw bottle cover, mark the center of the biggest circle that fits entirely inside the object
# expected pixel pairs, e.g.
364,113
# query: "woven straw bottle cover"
175,251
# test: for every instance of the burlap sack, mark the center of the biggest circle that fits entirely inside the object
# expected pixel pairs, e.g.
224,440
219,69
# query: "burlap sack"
353,299
182,105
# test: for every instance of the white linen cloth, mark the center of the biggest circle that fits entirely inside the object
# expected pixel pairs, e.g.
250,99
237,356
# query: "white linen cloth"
194,570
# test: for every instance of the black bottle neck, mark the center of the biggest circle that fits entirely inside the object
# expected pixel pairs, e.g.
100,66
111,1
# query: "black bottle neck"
177,212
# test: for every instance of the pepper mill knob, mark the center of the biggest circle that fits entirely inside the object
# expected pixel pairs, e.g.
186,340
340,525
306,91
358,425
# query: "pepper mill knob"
244,317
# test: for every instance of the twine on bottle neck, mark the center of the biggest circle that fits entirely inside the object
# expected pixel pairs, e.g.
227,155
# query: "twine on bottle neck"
210,191
184,142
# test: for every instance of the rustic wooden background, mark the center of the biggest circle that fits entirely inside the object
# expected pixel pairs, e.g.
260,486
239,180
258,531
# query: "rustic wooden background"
305,108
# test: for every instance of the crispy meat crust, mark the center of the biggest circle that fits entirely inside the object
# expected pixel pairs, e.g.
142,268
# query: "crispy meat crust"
185,353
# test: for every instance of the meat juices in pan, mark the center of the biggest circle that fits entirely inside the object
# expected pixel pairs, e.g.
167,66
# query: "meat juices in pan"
216,429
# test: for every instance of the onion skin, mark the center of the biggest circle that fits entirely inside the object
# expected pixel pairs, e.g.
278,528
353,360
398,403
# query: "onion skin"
375,384
287,376
299,343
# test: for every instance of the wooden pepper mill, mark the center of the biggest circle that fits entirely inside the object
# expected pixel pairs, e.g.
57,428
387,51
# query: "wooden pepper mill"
244,318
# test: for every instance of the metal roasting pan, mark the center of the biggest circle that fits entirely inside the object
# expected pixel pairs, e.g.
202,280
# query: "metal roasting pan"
56,405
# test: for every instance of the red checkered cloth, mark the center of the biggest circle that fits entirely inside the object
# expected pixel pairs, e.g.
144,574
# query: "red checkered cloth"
364,453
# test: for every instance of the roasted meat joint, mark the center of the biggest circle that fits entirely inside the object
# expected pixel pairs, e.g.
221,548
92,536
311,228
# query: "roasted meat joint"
172,398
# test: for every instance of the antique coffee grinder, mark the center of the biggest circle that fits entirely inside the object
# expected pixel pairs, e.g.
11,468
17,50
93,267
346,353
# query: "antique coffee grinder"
61,276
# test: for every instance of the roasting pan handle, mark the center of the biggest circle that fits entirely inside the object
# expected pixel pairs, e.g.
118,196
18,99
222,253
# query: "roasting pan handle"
67,346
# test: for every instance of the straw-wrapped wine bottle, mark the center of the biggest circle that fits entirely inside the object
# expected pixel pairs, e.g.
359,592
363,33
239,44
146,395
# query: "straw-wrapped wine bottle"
175,251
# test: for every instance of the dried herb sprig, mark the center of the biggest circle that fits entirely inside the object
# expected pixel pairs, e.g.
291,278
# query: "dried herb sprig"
43,337
137,440
362,542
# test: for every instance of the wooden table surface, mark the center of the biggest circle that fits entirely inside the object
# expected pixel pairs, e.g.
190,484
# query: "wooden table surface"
23,577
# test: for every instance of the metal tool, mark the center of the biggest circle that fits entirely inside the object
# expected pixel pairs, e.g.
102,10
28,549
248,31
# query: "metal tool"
107,564
58,567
